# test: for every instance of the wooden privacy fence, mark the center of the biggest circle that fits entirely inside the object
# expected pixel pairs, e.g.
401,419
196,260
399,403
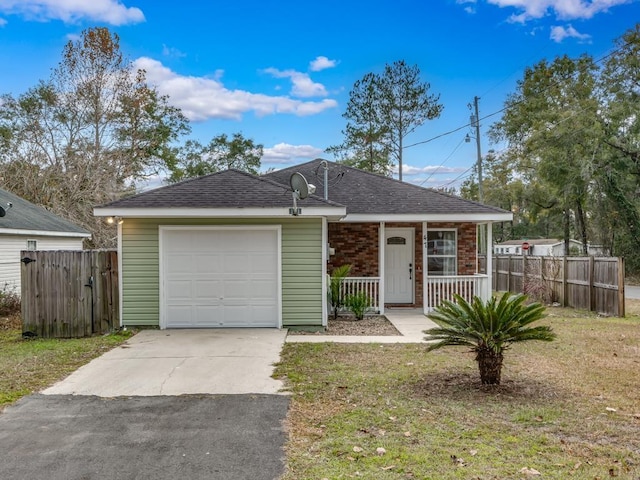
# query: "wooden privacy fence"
69,293
586,283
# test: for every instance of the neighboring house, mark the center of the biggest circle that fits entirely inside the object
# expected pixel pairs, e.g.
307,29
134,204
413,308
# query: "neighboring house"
26,226
544,247
223,250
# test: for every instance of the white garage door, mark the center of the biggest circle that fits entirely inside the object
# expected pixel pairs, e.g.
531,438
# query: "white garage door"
220,277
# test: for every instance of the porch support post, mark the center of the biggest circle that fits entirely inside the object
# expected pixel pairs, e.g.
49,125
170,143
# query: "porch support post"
425,273
489,262
325,258
381,244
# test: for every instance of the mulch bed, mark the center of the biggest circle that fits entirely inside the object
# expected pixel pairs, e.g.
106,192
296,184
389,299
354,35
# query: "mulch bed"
347,325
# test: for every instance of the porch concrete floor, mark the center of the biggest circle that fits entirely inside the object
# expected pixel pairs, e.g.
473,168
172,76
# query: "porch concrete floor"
410,322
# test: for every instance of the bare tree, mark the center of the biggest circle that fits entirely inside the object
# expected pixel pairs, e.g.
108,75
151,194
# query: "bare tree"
83,137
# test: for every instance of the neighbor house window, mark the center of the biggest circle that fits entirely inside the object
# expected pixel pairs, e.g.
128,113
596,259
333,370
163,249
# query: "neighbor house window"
442,258
32,244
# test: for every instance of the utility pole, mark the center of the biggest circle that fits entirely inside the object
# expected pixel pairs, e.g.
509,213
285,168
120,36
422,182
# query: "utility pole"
476,121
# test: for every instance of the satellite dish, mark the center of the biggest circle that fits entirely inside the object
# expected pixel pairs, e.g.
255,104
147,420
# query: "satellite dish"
299,184
3,212
301,190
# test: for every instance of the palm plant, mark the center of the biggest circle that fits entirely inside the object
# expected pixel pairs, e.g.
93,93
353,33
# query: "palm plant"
488,328
335,295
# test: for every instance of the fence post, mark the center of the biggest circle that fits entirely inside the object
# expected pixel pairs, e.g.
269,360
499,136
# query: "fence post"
592,299
565,284
621,302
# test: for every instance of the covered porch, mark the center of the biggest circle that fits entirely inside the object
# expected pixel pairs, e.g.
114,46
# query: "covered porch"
411,264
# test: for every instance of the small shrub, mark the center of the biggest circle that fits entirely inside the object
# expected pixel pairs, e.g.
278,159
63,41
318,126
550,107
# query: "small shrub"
358,304
9,301
335,297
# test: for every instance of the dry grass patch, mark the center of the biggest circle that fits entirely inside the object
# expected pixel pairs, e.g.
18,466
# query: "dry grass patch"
566,409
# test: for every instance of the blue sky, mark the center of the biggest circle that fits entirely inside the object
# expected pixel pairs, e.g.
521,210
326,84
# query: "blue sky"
280,71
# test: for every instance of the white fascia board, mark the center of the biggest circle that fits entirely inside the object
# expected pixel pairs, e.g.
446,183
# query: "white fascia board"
431,217
43,233
331,213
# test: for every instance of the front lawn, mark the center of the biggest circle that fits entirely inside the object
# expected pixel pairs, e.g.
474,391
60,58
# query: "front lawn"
27,366
566,409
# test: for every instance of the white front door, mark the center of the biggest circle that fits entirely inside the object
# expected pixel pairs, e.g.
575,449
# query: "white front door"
399,267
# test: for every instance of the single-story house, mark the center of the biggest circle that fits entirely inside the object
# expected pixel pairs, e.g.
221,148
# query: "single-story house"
544,247
226,250
26,226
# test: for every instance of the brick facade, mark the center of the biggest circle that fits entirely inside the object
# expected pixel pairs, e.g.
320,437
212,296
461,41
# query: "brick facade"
357,244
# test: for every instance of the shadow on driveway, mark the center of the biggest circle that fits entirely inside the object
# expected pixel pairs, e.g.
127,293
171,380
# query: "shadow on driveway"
61,437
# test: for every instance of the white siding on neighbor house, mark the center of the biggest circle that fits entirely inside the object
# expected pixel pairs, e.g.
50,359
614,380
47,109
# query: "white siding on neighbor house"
12,245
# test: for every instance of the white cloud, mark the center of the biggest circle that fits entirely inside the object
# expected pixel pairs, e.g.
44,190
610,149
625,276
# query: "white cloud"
470,5
431,170
172,52
321,63
558,34
561,9
203,98
284,153
109,11
3,22
302,85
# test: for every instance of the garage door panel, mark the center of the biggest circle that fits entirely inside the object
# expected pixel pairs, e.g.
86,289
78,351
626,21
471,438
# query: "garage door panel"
177,240
220,278
179,263
262,263
208,262
180,315
207,316
263,289
179,290
208,289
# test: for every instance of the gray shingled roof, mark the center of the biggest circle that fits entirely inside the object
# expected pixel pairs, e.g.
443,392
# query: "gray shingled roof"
367,193
227,189
24,215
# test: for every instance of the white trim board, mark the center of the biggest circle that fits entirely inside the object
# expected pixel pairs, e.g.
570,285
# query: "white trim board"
333,213
430,217
43,233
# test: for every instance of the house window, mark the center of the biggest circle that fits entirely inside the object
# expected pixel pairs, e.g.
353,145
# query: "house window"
442,258
32,245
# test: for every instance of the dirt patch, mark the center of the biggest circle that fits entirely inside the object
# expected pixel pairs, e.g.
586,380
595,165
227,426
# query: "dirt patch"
371,325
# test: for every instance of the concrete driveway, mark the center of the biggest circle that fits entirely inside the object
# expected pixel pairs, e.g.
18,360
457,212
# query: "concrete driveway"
177,362
162,406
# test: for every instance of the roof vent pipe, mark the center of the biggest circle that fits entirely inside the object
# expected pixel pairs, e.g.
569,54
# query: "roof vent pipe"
325,166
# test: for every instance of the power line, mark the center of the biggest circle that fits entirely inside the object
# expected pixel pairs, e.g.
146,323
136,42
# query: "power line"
443,162
601,59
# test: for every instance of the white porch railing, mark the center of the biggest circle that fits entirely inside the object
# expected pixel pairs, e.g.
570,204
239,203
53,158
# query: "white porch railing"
444,287
368,285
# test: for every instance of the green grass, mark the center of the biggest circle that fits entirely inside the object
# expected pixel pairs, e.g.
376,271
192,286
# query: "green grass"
436,421
27,366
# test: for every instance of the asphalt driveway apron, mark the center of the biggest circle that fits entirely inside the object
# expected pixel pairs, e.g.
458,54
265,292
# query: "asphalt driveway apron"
168,404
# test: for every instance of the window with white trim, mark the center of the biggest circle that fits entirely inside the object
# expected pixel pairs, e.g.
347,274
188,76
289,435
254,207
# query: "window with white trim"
32,245
442,252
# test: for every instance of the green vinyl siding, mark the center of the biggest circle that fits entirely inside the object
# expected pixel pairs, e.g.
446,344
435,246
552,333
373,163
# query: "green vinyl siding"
302,269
